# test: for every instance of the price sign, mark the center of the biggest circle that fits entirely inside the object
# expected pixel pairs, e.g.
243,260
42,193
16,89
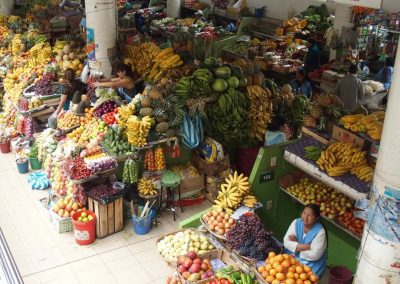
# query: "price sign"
267,176
376,4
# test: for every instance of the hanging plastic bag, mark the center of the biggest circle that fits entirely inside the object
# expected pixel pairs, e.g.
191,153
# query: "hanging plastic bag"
192,130
52,121
38,180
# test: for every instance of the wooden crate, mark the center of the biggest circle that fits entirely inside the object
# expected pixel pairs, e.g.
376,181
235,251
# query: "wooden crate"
110,217
210,168
341,134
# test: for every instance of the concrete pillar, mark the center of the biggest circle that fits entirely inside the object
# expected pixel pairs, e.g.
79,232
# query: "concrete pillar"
6,7
379,254
101,34
342,19
173,8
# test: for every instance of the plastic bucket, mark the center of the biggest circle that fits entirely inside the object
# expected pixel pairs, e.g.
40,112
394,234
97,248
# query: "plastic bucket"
22,165
35,164
5,147
141,225
85,232
340,275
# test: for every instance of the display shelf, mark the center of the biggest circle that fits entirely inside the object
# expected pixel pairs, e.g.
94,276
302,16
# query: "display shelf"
347,184
323,216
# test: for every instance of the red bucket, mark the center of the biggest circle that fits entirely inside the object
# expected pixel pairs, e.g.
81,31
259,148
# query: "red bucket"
5,147
340,275
85,232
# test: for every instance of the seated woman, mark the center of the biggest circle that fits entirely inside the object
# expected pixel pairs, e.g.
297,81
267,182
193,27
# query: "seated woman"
300,86
124,83
306,238
385,74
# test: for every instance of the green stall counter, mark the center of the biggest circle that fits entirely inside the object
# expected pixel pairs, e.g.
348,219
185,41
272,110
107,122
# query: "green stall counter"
279,209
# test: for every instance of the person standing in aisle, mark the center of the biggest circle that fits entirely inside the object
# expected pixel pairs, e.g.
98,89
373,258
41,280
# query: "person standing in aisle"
313,57
306,238
385,74
300,86
350,90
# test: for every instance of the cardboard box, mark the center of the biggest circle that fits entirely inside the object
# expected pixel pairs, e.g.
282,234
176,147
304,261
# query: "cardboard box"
341,134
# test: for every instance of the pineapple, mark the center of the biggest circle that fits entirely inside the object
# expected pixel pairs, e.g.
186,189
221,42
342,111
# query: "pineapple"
336,100
324,100
147,111
309,121
160,115
155,94
162,127
145,102
316,111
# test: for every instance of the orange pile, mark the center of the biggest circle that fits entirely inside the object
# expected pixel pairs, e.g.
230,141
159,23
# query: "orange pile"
285,269
88,116
160,159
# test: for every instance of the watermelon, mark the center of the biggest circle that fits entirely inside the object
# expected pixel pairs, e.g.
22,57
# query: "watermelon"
211,61
220,85
223,72
242,82
233,82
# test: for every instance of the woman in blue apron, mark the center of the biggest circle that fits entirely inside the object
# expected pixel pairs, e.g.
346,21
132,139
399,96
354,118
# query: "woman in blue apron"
124,83
306,238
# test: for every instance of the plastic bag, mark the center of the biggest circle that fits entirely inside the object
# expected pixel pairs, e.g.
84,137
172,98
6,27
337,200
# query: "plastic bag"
192,130
52,121
38,180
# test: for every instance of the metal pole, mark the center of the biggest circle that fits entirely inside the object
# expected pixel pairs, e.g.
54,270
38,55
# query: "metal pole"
101,34
379,254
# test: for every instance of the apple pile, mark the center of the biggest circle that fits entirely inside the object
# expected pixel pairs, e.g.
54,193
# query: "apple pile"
219,221
331,202
193,268
66,207
353,224
84,217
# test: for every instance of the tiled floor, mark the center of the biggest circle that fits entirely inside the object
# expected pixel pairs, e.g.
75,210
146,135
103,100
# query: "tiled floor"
44,256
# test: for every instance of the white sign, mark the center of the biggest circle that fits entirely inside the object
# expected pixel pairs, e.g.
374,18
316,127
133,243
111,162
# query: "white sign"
376,4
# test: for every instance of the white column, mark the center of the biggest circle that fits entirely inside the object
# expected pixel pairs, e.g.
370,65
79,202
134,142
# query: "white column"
173,8
101,29
6,7
342,19
379,255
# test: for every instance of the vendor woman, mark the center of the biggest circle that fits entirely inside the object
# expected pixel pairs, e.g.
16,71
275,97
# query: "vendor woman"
124,83
307,239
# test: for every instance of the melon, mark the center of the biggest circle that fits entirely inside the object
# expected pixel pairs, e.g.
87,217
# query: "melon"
223,72
58,58
65,58
67,49
233,82
242,82
287,89
71,55
220,85
211,61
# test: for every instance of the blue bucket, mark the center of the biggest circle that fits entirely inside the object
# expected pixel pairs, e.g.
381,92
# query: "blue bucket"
141,225
22,165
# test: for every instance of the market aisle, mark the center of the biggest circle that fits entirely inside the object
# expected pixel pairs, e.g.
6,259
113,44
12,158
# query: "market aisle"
44,256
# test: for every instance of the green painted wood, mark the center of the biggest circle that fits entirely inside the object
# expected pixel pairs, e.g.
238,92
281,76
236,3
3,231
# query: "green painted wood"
342,248
193,221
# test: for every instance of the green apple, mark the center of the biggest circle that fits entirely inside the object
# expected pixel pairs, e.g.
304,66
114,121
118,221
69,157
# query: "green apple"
83,215
85,219
90,217
80,219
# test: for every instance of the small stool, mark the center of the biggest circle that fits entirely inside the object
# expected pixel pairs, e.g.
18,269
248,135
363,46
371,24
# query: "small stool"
170,181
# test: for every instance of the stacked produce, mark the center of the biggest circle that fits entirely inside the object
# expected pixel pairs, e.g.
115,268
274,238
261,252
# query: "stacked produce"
104,95
147,187
174,245
154,160
141,57
353,224
124,112
165,59
260,111
105,107
149,161
249,238
66,207
232,193
44,86
229,275
89,134
341,157
79,194
313,152
130,173
193,268
100,162
332,203
104,191
68,120
116,143
299,109
219,221
67,56
109,118
285,268
39,54
371,124
76,168
138,130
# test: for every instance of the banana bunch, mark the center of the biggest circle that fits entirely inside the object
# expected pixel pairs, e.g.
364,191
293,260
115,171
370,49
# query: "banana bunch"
363,172
371,124
229,116
16,44
146,187
59,45
165,59
232,192
13,19
137,130
142,56
313,152
3,20
260,111
186,21
340,157
124,112
39,54
250,201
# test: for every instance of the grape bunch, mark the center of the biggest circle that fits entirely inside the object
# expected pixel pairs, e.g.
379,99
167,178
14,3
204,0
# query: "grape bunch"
104,190
44,87
258,242
79,194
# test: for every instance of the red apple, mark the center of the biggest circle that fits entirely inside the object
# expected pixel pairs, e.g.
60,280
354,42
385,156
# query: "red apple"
181,259
182,269
198,261
186,275
195,268
192,255
188,262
